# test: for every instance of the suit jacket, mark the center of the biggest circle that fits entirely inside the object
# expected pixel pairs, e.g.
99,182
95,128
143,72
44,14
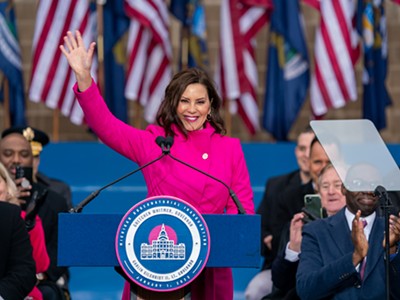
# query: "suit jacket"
56,185
274,186
290,202
326,269
53,204
283,272
17,267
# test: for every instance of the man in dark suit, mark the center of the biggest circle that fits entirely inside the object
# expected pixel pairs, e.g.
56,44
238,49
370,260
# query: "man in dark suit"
15,150
342,257
261,284
17,267
291,201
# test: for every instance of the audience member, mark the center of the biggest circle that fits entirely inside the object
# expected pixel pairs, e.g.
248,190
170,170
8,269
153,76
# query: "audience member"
17,267
284,267
343,257
38,139
8,193
15,150
291,201
261,284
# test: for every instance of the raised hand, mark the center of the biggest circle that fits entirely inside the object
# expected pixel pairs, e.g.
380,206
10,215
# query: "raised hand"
79,58
296,226
359,240
394,233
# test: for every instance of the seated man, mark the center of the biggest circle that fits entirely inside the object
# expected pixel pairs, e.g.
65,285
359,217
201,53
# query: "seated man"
343,257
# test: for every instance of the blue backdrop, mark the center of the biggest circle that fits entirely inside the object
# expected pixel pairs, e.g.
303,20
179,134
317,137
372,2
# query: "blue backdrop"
87,166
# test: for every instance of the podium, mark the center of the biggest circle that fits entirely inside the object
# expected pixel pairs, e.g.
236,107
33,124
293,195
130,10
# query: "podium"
89,240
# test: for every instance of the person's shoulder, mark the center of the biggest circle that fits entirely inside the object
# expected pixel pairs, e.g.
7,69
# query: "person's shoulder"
322,224
155,129
284,177
9,208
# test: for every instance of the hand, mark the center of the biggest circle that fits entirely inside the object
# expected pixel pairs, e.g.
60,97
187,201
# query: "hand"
79,59
394,233
359,240
22,190
296,226
268,241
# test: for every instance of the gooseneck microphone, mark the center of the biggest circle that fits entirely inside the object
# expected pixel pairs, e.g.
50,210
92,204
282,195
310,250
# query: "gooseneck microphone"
160,141
169,141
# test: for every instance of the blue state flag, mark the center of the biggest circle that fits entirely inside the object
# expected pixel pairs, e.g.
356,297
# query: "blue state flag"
11,65
116,23
193,50
375,95
288,73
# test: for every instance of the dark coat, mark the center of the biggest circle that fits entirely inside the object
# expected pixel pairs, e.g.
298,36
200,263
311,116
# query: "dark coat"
326,269
17,267
267,208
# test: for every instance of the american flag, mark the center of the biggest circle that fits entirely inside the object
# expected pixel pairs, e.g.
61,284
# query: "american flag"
236,72
150,54
333,83
51,77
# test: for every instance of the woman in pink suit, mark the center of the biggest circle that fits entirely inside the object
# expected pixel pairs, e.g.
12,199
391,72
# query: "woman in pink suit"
8,192
190,113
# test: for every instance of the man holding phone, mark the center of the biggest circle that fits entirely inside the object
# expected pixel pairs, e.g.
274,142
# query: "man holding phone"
16,151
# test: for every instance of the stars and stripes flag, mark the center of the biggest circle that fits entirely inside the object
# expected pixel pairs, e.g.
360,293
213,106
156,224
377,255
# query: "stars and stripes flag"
150,54
333,82
11,65
51,78
236,72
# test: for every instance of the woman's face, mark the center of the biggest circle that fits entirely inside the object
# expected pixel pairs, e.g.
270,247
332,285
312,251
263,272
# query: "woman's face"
194,106
3,189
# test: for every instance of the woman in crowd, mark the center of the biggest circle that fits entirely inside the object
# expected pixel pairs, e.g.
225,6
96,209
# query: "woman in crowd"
8,193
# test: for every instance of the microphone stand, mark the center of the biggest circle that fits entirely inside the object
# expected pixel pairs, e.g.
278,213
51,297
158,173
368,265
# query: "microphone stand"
88,199
386,204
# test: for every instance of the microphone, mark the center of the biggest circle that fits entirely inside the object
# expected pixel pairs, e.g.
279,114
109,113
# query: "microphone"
169,141
160,141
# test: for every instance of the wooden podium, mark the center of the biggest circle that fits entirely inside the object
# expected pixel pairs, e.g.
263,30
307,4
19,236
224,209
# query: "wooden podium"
89,240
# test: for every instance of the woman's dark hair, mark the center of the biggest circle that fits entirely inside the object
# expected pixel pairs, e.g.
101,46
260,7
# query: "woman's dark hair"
166,115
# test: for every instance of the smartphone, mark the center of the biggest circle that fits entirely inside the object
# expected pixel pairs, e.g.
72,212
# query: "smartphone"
313,207
25,172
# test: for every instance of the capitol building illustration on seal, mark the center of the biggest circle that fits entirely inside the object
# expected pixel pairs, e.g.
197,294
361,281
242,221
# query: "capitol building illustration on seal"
162,248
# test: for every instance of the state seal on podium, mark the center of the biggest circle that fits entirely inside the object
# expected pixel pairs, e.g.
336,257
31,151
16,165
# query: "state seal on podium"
162,243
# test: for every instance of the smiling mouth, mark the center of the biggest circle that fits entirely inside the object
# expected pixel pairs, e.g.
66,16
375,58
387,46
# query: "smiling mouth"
367,201
191,119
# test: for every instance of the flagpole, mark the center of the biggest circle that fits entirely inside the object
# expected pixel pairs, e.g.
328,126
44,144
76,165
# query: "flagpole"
100,43
228,117
6,103
56,125
137,121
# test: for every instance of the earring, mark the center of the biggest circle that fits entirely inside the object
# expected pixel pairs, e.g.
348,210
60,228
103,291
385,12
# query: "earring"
209,117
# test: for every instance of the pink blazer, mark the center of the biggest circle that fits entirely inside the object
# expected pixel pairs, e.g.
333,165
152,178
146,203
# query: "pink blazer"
218,155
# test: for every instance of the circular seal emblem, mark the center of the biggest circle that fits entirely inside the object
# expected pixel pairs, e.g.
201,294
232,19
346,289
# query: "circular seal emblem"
162,243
